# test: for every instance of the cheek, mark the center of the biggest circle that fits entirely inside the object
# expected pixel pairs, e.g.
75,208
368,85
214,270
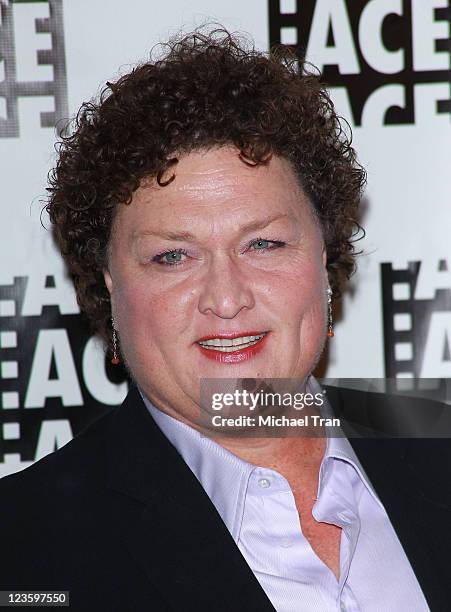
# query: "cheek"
301,292
149,314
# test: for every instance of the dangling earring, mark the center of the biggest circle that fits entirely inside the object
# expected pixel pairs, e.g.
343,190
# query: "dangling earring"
115,359
330,331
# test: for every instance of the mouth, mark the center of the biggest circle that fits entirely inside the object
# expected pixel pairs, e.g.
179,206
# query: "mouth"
234,347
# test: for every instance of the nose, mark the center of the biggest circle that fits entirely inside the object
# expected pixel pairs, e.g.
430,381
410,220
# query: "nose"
225,290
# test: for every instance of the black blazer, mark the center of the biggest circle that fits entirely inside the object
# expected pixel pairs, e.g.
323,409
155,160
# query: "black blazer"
117,518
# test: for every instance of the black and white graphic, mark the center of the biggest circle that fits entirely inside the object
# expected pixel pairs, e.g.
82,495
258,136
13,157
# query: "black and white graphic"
417,319
55,378
386,61
24,27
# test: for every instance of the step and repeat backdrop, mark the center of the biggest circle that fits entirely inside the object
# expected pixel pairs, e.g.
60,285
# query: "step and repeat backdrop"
387,63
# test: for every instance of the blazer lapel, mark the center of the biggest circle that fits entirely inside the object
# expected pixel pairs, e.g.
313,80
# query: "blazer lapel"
411,478
168,522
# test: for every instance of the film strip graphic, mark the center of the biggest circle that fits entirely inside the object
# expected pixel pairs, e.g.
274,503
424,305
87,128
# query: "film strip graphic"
290,23
407,320
11,394
11,89
23,420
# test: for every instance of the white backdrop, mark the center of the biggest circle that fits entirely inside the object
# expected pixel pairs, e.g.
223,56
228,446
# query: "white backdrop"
55,64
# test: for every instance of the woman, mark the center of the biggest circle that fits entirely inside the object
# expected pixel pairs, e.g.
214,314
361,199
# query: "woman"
205,207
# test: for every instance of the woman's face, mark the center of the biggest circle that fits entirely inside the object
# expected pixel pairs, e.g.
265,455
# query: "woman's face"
226,252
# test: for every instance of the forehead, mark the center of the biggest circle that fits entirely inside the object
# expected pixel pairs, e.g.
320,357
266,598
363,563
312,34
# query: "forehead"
216,187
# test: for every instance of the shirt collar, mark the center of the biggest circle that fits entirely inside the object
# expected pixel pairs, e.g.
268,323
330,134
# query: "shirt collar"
339,447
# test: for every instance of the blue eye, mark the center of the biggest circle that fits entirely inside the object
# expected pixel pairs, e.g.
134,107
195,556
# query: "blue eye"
261,244
170,258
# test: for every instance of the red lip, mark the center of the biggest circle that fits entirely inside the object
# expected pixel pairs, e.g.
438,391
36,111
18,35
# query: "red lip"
231,335
238,356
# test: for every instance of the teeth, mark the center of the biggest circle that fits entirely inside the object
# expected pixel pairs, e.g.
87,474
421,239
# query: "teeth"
227,345
244,340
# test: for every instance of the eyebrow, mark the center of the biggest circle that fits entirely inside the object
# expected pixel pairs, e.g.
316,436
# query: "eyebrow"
187,236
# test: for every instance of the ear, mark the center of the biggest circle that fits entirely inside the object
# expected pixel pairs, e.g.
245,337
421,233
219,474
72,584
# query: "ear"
108,280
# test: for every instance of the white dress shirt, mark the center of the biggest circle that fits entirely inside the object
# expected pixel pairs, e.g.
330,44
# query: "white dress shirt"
258,508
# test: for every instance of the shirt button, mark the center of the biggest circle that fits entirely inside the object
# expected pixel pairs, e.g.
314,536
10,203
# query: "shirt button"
264,483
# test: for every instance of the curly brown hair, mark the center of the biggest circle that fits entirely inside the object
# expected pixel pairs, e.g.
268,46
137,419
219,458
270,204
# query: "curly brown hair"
208,90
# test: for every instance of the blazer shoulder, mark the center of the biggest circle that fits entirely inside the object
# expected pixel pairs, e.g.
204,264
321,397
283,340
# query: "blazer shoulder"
79,463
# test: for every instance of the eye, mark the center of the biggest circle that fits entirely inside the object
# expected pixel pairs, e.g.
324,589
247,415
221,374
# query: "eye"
170,258
262,244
